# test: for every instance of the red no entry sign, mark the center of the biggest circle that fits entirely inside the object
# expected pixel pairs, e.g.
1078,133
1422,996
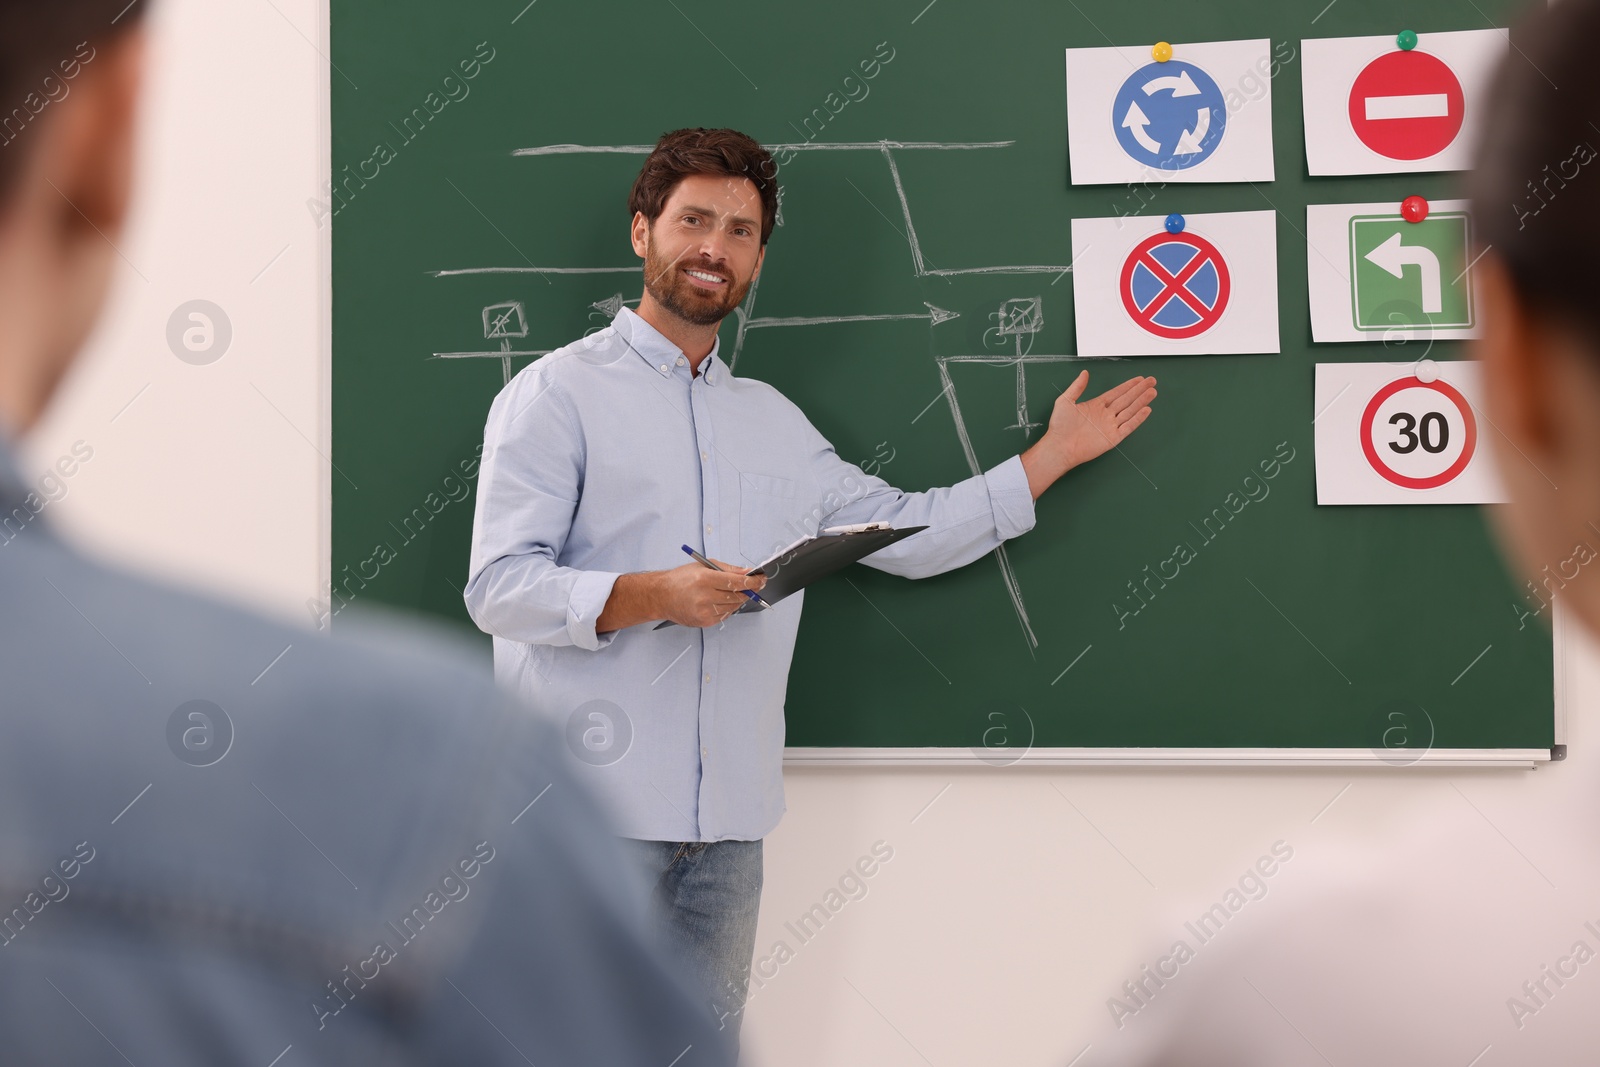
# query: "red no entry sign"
1175,285
1428,443
1406,105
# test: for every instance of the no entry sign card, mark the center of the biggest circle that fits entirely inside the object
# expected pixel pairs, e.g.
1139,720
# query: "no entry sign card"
1409,433
1178,285
1373,106
1374,275
1202,114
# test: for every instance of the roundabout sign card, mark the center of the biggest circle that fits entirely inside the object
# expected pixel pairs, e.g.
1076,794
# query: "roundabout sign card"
1202,114
1403,433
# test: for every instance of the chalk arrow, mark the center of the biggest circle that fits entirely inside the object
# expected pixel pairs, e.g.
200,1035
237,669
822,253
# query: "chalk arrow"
610,305
1135,121
1181,85
1189,140
933,316
1393,256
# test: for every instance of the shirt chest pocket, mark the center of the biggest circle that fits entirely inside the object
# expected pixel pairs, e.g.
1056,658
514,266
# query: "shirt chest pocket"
773,513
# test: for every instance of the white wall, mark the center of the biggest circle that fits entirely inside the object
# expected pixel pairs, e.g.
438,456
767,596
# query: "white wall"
1012,905
212,475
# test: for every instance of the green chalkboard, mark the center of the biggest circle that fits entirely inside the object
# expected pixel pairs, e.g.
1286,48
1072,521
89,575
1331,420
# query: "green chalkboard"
1295,626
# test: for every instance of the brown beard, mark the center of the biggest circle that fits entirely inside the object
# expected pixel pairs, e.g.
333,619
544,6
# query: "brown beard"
665,281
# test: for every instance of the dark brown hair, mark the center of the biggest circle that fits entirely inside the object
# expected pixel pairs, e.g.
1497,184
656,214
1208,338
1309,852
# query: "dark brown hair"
43,45
1535,186
700,151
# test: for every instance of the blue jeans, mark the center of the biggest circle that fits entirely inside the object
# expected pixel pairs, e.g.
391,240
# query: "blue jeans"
703,897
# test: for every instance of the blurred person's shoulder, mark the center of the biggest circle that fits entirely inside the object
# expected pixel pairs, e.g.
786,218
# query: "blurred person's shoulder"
1406,949
384,743
259,799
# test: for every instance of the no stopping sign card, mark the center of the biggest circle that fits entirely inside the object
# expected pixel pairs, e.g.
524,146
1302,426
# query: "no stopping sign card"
1410,433
1204,114
1373,106
1176,285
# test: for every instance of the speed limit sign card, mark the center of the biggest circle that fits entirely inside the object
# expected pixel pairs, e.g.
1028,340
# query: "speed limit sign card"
1411,433
1386,105
1391,272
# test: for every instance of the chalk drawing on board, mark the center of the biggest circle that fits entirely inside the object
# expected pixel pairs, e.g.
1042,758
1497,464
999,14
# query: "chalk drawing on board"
885,148
1007,572
1020,317
501,322
612,304
933,316
504,320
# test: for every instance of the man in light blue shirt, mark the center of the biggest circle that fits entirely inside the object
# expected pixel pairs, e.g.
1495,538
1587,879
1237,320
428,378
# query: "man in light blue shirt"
604,457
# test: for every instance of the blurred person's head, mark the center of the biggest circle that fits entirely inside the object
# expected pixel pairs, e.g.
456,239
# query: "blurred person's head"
69,75
1536,206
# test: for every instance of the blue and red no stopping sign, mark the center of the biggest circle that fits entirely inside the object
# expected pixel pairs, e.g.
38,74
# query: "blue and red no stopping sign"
1175,285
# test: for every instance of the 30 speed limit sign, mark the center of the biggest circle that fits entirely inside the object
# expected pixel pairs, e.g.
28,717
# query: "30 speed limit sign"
1419,434
1388,434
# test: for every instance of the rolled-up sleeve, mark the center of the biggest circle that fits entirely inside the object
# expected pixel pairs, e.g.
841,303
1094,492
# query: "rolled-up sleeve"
528,488
965,521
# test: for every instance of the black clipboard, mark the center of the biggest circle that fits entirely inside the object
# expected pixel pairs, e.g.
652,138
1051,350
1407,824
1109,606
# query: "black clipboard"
811,558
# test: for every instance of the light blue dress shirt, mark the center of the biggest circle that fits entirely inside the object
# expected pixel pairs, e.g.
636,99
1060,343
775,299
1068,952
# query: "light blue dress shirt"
603,458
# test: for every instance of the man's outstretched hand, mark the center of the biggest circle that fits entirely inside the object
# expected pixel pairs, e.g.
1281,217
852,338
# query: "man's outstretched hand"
1078,432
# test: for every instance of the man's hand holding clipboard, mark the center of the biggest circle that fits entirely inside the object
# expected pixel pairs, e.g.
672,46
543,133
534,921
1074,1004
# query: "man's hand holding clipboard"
796,566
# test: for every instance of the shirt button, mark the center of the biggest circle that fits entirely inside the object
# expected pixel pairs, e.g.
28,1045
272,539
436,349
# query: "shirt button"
708,528
680,361
708,677
704,456
703,752
663,368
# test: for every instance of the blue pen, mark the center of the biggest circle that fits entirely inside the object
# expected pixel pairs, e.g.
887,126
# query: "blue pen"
698,558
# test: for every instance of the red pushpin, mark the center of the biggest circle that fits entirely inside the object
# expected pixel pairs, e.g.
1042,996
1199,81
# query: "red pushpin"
1413,209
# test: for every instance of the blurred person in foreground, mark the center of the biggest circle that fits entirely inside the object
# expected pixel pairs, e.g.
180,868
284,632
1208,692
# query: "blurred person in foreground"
1465,938
224,841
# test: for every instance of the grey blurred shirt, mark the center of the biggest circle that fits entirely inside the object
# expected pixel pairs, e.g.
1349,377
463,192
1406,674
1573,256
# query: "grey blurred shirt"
606,457
226,841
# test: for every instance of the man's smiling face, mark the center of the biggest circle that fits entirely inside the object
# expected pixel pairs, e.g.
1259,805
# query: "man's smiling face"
704,250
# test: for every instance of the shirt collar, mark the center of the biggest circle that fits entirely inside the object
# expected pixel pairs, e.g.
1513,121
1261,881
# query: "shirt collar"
661,354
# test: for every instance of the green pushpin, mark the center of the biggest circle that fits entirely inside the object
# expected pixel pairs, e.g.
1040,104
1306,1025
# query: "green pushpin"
1407,40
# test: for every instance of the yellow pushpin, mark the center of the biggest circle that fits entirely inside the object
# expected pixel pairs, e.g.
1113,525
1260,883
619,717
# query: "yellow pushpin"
1161,52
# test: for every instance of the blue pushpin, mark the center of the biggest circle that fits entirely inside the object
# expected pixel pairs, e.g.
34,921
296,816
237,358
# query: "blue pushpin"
1174,223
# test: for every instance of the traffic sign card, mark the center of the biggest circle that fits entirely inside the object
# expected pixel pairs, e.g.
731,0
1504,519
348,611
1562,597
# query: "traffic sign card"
1204,114
1375,276
1373,106
1408,433
1176,285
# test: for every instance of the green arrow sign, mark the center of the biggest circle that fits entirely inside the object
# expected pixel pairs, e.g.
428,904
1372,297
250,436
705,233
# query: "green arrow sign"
1410,273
